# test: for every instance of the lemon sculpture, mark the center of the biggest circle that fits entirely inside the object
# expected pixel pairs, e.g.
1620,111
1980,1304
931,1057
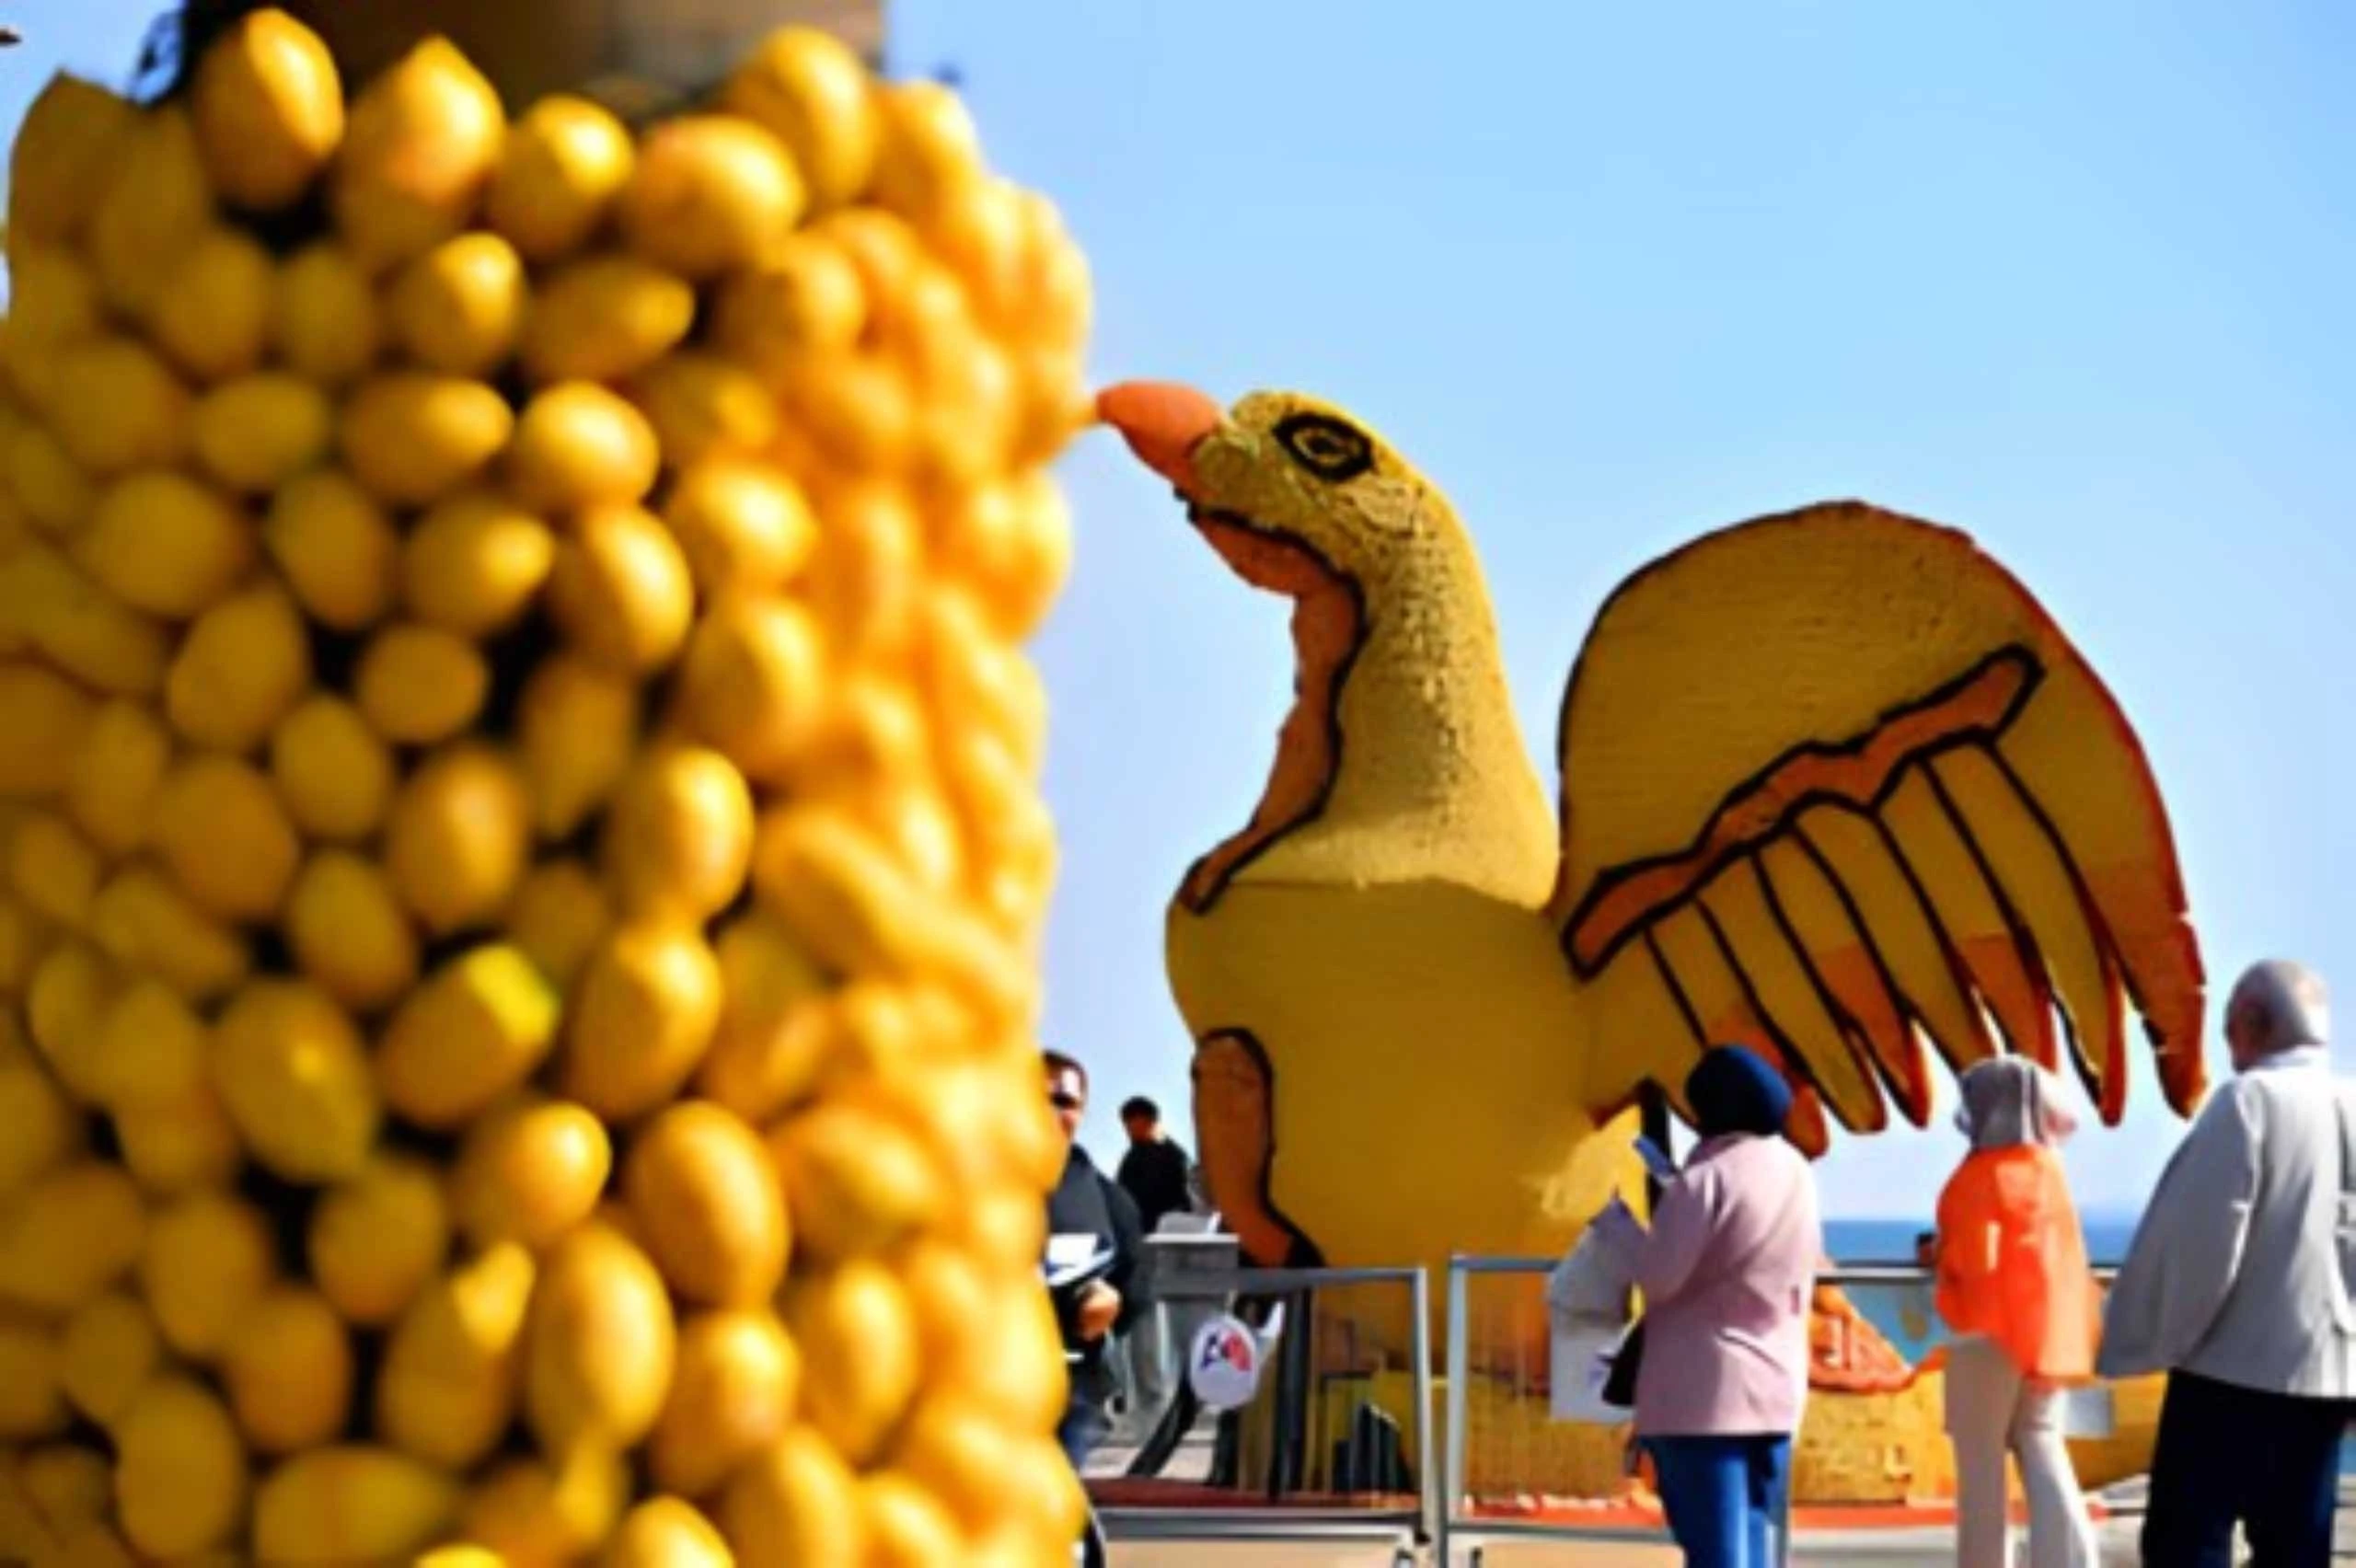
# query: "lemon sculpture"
521,858
1831,783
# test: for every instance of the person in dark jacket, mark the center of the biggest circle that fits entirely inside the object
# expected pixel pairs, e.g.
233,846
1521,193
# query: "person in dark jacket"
1154,1171
1089,1212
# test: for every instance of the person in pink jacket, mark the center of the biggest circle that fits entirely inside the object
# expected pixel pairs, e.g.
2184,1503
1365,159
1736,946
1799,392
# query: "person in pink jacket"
1727,1272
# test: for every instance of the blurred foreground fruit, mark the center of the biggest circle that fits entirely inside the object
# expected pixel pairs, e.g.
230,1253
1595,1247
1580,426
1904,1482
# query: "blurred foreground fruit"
520,860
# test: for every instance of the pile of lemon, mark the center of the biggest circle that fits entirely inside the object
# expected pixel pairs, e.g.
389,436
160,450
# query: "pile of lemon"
521,850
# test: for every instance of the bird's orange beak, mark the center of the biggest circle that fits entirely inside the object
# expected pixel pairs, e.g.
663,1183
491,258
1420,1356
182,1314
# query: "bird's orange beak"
1163,423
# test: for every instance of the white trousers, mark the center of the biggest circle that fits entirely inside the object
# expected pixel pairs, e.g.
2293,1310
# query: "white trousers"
1992,1410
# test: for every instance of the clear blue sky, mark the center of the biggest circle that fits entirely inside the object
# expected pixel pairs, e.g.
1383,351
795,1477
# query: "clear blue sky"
2076,278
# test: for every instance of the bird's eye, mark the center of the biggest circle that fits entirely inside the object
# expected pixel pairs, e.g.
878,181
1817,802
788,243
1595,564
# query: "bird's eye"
1326,447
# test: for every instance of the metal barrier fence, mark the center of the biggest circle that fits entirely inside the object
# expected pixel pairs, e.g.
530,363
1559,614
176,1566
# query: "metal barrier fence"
1335,1447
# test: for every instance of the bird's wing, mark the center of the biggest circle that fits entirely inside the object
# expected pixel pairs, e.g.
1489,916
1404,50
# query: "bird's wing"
1833,781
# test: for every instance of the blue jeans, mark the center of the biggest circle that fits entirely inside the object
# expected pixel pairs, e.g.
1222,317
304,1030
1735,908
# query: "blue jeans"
1726,1497
1085,1426
2227,1455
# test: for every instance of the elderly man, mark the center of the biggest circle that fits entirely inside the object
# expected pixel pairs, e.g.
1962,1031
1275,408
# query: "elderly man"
2238,1287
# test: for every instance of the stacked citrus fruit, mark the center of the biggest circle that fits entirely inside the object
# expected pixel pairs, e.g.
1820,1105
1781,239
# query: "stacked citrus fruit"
522,855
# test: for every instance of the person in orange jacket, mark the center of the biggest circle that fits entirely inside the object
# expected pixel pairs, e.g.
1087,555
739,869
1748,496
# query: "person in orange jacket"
2015,1289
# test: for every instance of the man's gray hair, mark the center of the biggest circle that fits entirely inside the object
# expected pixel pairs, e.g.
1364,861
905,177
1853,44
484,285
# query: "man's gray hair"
2290,997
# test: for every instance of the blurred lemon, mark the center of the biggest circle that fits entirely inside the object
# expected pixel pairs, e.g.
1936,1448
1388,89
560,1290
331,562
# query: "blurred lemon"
643,1016
324,320
258,432
179,1145
664,1532
794,1501
558,916
269,108
447,1390
860,1180
39,1129
73,134
109,1349
709,193
376,1239
859,1354
702,407
417,684
333,772
44,720
68,995
53,299
153,203
577,729
752,681
603,319
72,1233
930,149
524,1512
743,527
815,95
165,543
118,407
529,1172
621,591
213,317
579,445
144,922
349,932
351,1503
207,1259
803,297
245,662
220,828
735,1392
773,1033
459,307
294,1074
54,868
599,1357
699,1187
418,148
335,546
678,836
179,1479
149,1046
473,563
288,1369
32,1398
563,164
412,438
56,495
905,1526
458,836
477,1029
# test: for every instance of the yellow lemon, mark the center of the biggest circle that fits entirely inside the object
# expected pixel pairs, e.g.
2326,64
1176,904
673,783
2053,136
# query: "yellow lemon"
258,432
477,1029
420,146
32,1400
116,770
857,409
734,1391
74,1232
988,1340
323,320
773,1033
244,663
679,835
221,830
165,543
599,1353
149,1046
349,932
558,916
44,719
794,1501
153,204
529,1172
351,1503
859,1354
1012,542
376,1239
333,772
68,995
664,1532
641,1018
24,939
447,1390
576,729
55,494
929,148
269,108
563,164
459,307
526,1511
710,192
604,318
905,1526
39,1129
212,318
703,407
744,527
702,1192
144,922
109,1349
294,1074
957,1454
417,684
288,1369
983,231
805,297
179,1479
74,134
579,445
179,1145
207,1260
458,836
860,1180
752,683
412,438
864,578
52,300
813,94
54,868
473,564
621,591
118,407
337,549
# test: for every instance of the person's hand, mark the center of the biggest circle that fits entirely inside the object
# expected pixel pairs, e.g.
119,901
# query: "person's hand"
1099,1304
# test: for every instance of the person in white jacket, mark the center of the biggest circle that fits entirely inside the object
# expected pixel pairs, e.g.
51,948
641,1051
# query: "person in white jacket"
2238,1285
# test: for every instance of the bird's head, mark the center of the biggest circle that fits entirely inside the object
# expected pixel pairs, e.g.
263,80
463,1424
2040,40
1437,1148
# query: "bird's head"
1295,495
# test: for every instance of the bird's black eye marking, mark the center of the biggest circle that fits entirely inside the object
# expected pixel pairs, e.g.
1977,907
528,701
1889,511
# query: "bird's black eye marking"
1327,447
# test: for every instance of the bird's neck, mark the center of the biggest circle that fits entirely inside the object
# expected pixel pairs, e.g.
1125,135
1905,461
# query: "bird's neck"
1400,759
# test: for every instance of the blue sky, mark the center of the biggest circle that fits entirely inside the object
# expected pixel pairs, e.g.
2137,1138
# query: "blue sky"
2075,278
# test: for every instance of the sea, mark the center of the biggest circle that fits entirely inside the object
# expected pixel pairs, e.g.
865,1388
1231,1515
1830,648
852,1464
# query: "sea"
1862,1241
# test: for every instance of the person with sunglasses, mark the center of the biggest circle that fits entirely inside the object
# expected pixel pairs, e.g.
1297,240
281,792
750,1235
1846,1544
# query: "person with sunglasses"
1091,1226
